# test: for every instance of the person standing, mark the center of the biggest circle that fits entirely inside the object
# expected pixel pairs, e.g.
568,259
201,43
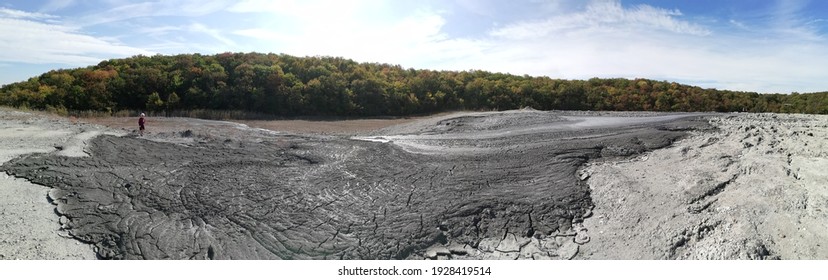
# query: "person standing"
141,124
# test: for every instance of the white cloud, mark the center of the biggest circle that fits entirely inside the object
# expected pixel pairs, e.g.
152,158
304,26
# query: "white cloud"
55,5
478,7
178,8
158,30
29,41
261,34
9,13
603,15
602,39
350,29
738,24
568,39
213,33
609,40
318,9
571,45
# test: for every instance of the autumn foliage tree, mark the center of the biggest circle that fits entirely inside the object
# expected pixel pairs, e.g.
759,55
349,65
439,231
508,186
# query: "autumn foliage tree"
285,85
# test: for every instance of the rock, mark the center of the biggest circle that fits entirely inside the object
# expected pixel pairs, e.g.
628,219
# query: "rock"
549,244
584,175
587,214
488,244
581,237
459,249
542,256
530,250
568,250
512,243
436,250
566,233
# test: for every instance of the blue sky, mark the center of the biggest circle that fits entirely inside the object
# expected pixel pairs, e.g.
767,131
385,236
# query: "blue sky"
763,46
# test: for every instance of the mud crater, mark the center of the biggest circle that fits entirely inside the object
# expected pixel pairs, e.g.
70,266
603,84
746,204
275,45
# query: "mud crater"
334,197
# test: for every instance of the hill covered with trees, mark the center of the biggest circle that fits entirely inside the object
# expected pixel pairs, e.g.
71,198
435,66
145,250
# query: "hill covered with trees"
286,85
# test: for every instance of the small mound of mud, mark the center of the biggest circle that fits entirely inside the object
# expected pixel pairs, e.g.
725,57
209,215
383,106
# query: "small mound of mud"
496,121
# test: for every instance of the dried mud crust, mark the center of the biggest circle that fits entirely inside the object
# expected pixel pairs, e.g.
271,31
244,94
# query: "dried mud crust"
31,230
753,188
302,197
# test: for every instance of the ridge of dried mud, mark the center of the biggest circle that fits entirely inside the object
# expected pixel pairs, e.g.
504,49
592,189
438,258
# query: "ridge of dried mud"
481,185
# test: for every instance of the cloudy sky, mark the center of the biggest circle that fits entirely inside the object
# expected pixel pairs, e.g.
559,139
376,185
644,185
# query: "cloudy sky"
764,46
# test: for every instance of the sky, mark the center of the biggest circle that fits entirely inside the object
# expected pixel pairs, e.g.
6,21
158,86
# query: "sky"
777,46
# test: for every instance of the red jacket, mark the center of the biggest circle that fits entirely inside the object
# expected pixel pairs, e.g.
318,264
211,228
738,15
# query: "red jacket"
141,121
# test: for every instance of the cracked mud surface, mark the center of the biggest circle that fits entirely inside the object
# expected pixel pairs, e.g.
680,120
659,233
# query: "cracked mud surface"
469,185
31,230
754,188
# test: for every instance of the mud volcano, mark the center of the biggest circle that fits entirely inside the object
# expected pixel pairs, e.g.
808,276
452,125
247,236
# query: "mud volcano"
459,179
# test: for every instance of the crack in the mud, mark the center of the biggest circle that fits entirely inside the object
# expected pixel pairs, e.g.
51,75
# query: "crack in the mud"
249,200
718,188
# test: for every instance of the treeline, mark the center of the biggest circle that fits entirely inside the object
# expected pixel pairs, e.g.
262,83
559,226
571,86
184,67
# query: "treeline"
286,85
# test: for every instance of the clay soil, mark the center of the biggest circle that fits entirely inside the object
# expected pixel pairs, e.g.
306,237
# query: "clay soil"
321,126
519,184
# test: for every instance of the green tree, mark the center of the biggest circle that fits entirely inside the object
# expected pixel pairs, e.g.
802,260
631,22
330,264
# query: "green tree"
172,101
154,102
288,85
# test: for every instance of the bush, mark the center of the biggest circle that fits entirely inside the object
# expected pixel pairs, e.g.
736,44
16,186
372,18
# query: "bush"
59,110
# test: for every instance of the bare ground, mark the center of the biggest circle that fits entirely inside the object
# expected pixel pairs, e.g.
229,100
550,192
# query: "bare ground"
321,126
755,188
506,185
227,191
31,230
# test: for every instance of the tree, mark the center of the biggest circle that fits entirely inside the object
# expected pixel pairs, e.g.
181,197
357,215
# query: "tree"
172,101
154,102
287,85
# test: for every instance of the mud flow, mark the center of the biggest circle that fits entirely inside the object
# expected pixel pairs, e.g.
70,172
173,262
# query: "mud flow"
454,183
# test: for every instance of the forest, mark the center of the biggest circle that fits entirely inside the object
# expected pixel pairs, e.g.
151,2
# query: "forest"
285,85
